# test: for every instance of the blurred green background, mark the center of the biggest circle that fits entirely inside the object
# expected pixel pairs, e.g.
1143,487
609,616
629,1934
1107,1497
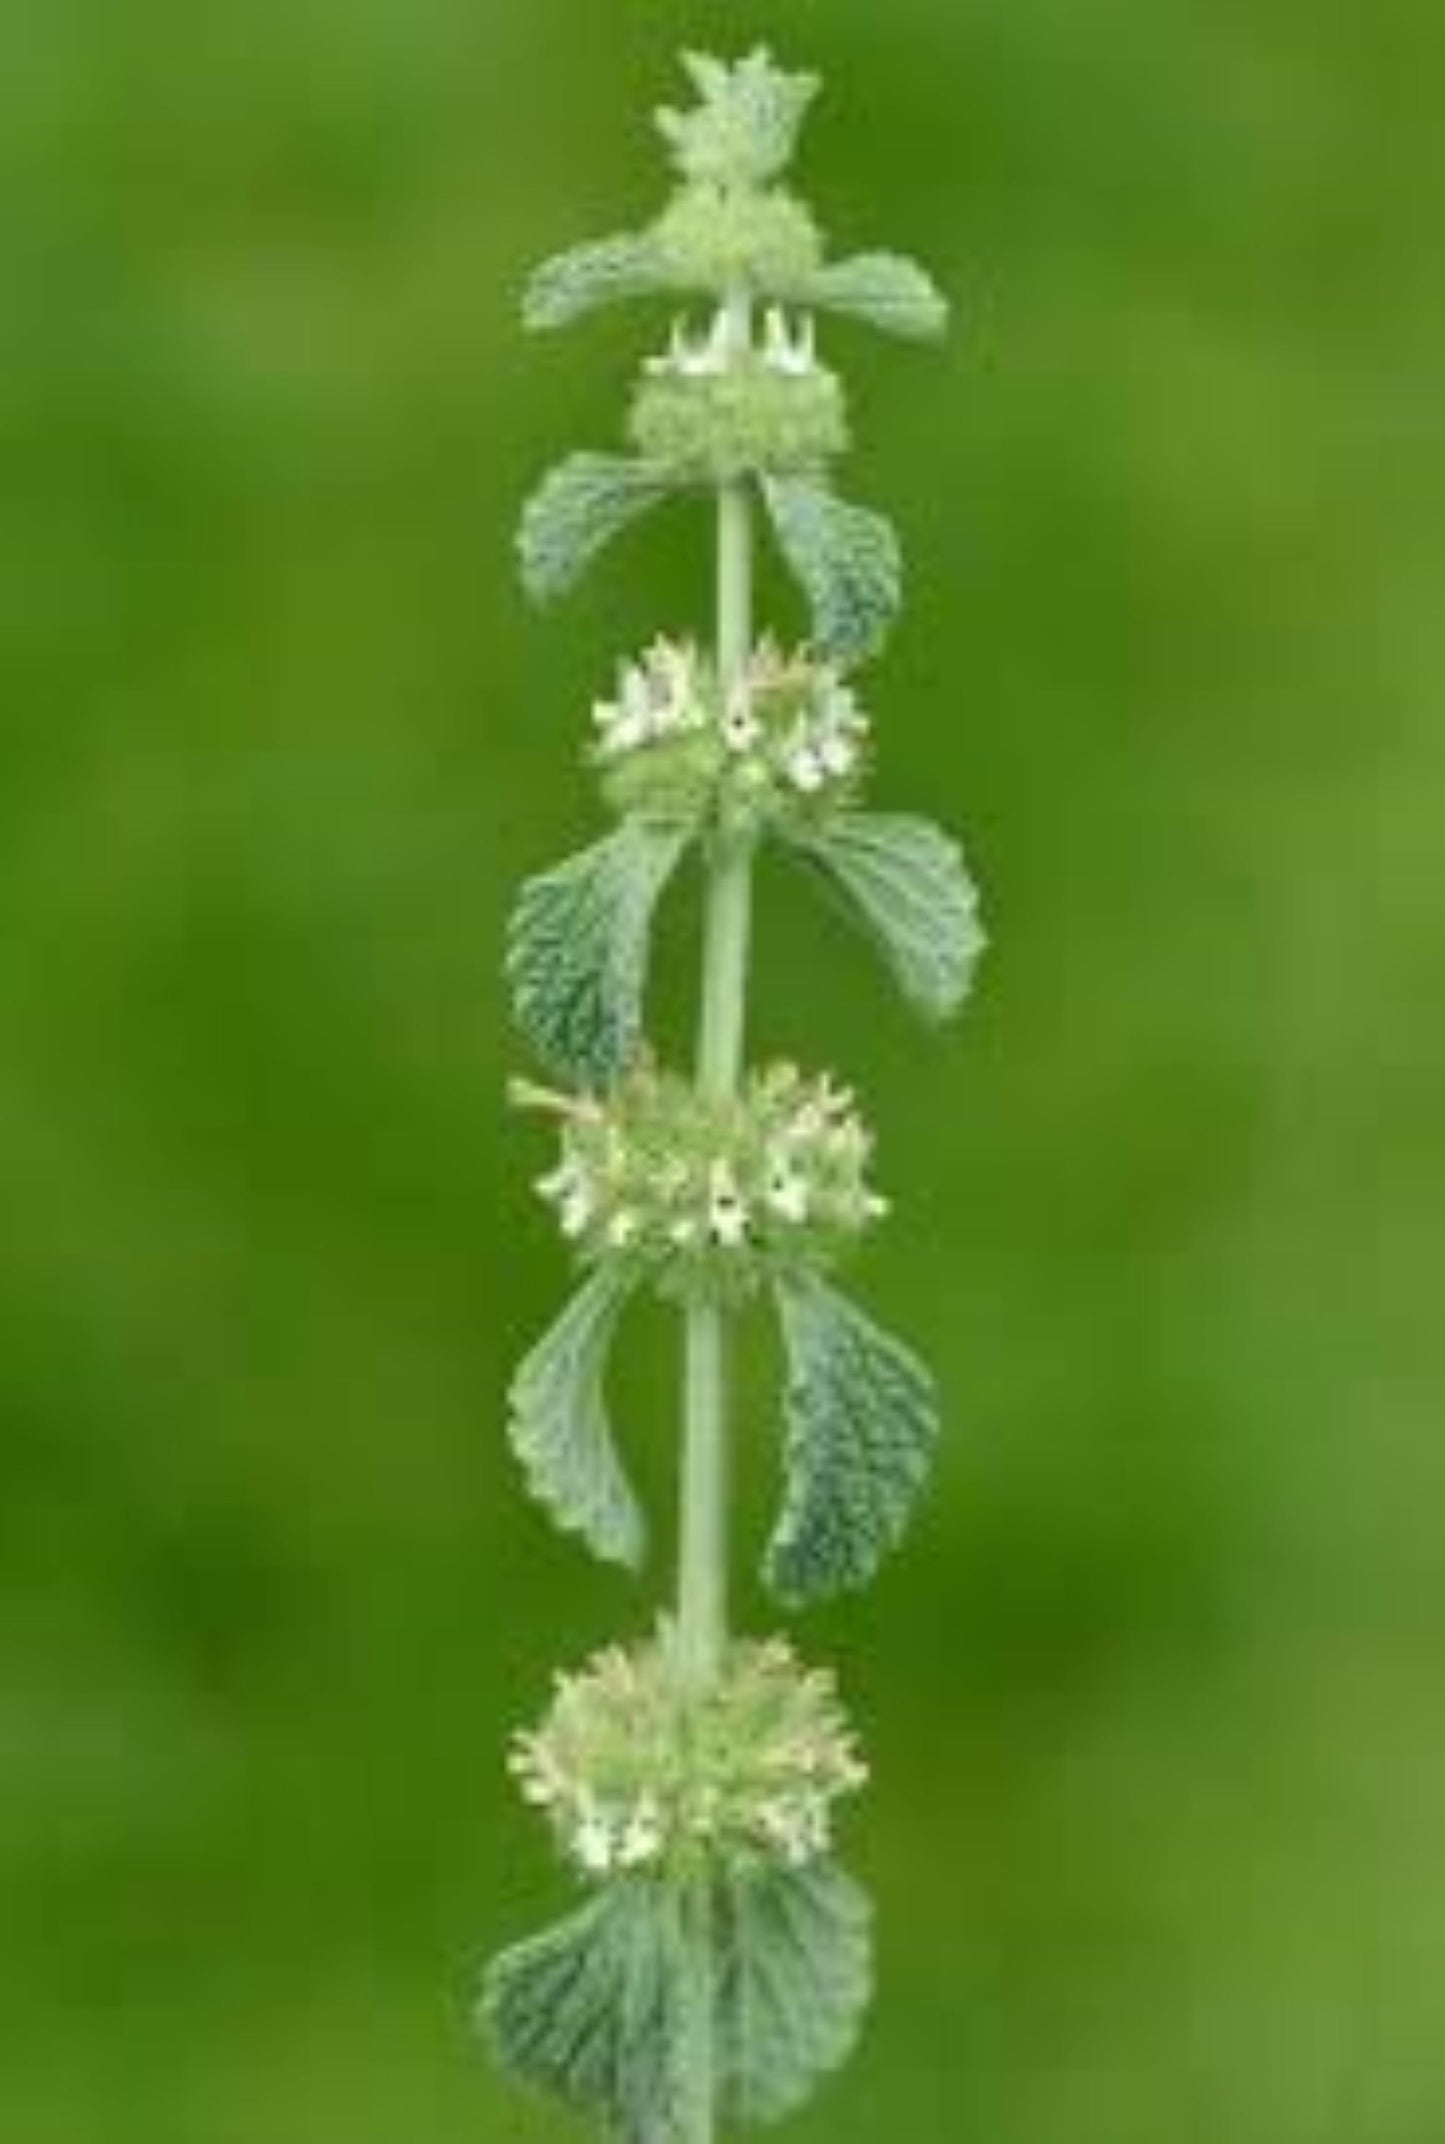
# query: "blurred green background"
1158,1694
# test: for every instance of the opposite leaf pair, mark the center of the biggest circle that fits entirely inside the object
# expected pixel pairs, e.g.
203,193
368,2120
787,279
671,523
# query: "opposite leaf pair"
598,2009
580,937
860,1423
846,558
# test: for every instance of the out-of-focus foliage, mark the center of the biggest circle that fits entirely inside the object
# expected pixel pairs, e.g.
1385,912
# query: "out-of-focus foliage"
1157,1837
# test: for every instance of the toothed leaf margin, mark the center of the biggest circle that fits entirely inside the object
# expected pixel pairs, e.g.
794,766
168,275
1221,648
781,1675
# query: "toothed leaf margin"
577,510
861,1419
905,882
595,2009
846,559
887,290
586,278
578,947
561,1431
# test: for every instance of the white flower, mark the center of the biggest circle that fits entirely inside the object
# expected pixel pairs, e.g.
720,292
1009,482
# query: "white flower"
622,1228
727,1209
740,726
642,1838
838,753
576,1211
784,352
789,1195
636,693
805,770
592,1843
629,732
557,1182
689,359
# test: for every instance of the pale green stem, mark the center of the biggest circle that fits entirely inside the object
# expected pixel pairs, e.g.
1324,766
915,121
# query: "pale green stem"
703,1555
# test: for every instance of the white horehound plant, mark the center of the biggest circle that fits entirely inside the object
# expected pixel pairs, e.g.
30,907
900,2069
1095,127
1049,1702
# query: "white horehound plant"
721,1963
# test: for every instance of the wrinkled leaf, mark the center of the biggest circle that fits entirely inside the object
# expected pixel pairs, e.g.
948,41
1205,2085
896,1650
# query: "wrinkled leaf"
886,290
577,951
587,277
590,2010
595,2010
861,1424
846,559
905,881
560,1428
794,1980
577,510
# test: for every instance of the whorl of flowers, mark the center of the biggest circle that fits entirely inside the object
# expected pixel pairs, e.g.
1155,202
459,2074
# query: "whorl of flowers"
708,1193
635,1769
711,414
790,745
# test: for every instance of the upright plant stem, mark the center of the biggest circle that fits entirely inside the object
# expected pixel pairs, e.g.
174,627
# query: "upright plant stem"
722,1026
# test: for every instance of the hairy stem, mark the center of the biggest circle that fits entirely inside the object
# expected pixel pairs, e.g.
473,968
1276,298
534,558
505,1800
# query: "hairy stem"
722,1024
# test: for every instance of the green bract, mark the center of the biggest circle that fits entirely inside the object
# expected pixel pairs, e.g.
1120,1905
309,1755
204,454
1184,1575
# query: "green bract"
722,1962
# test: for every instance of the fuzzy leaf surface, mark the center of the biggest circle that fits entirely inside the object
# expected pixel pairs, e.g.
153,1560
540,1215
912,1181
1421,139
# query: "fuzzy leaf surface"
905,882
585,278
846,559
795,1976
886,290
577,951
589,2010
593,2010
561,1431
577,510
861,1424
744,129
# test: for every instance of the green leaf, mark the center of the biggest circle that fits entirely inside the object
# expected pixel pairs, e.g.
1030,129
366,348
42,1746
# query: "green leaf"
560,1428
577,950
886,290
579,508
862,1421
587,277
794,1980
846,559
595,2009
591,2009
905,881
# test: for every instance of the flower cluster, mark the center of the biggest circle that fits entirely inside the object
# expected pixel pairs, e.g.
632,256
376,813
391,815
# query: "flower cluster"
635,1770
790,744
707,1195
714,413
